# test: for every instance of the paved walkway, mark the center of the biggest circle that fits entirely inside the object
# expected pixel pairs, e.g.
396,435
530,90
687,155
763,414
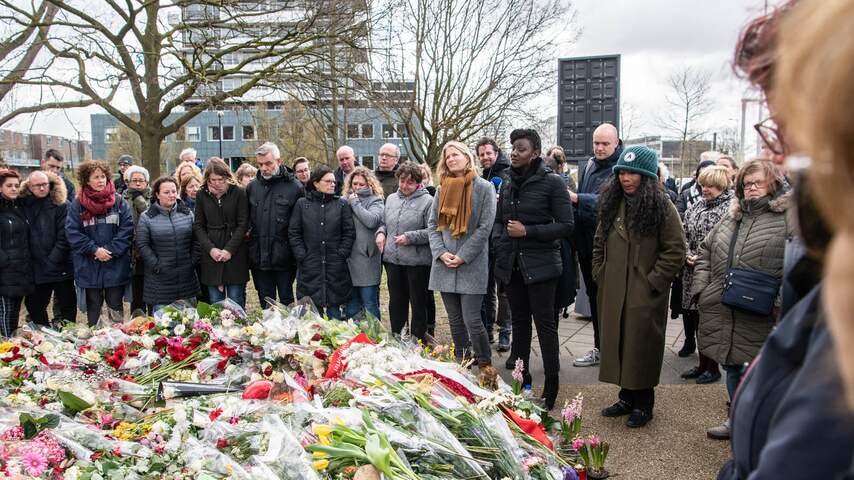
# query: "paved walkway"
576,338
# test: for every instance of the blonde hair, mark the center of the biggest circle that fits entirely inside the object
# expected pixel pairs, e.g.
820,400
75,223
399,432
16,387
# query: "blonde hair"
245,170
369,177
442,169
179,172
717,177
182,185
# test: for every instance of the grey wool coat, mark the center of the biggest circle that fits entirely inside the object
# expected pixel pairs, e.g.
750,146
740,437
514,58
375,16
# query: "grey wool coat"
471,276
365,260
728,336
407,216
165,242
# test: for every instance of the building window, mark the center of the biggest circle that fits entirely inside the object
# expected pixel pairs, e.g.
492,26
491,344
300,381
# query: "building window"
397,130
228,132
367,130
248,132
400,129
193,134
368,161
110,134
388,131
352,130
213,133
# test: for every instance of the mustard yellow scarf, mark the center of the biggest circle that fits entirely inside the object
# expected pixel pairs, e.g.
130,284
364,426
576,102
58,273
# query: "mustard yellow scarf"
455,203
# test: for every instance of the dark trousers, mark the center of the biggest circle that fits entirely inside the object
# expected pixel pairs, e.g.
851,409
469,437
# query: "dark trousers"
95,300
10,308
586,264
270,282
137,286
431,310
535,300
691,322
495,306
407,285
641,399
65,297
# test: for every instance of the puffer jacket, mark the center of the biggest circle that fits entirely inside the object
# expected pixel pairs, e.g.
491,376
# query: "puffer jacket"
271,201
139,201
165,242
112,231
49,248
698,221
321,234
539,200
407,216
366,260
727,336
16,270
222,223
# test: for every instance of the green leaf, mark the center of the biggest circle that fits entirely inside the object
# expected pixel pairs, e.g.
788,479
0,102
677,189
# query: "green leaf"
72,402
204,309
50,421
379,456
28,423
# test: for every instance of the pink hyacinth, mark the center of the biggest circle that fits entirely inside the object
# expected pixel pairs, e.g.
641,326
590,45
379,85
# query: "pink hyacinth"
577,444
572,410
518,371
34,463
594,441
14,433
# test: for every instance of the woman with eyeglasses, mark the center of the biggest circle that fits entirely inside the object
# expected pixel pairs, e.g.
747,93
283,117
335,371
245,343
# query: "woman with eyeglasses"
221,221
16,273
321,233
752,236
99,228
138,195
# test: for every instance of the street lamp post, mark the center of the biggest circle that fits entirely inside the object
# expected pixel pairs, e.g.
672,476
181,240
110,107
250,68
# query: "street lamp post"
220,114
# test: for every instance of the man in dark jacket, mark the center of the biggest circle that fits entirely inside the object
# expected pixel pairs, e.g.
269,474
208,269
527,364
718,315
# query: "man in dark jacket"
347,162
272,197
46,206
607,147
495,305
386,168
53,163
125,161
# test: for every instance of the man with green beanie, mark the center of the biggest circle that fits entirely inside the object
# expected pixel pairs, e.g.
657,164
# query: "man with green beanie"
638,250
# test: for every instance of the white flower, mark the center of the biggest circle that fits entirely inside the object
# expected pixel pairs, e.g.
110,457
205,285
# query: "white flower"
71,473
131,363
91,356
147,341
196,465
277,377
44,347
6,372
180,329
234,332
164,321
227,321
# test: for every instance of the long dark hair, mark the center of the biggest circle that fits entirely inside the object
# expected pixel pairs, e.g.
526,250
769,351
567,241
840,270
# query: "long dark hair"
647,211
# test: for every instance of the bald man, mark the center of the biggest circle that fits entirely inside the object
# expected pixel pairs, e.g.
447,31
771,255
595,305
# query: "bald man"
346,163
606,150
386,168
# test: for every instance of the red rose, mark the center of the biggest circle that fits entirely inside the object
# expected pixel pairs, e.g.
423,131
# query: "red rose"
215,414
316,337
320,354
221,443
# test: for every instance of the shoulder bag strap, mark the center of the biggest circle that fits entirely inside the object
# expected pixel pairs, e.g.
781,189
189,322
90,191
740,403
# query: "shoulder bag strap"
732,243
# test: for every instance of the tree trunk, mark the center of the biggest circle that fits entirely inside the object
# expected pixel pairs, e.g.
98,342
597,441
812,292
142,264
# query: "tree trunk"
150,143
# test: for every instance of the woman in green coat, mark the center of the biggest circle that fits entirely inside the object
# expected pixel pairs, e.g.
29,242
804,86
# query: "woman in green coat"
638,250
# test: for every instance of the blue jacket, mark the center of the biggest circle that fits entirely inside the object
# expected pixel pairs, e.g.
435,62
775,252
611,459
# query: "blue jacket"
49,250
590,181
113,231
789,416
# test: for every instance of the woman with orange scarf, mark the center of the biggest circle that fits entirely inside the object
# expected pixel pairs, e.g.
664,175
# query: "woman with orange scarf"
460,224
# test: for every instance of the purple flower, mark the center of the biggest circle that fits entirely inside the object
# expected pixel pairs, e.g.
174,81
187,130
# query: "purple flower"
569,473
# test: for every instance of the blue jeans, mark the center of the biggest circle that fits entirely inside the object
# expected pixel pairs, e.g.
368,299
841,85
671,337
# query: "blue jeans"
364,298
235,293
270,282
333,312
733,378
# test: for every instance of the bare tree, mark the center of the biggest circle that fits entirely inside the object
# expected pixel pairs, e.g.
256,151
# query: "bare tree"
174,56
294,130
728,140
688,103
629,119
472,64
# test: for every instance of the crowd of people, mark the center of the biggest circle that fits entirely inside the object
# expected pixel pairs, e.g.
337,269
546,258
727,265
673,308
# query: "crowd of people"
754,257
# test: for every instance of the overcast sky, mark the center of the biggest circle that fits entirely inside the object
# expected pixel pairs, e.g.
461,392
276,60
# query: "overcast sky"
654,37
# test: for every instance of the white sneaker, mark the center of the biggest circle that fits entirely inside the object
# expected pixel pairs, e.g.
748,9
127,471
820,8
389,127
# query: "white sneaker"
589,359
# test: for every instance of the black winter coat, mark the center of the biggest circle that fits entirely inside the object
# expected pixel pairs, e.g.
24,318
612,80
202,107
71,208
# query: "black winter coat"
222,223
321,234
590,180
498,169
16,270
388,180
165,243
49,248
539,200
271,202
789,416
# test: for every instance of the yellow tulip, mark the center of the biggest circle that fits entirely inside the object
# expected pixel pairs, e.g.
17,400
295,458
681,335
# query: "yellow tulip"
320,464
321,429
324,440
319,454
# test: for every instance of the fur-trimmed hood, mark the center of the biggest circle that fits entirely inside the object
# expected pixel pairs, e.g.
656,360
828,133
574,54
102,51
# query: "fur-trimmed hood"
58,192
780,203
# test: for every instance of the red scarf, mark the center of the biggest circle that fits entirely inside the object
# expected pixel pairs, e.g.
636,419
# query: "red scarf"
96,203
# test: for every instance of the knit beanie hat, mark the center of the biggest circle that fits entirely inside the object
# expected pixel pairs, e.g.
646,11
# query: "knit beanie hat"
638,159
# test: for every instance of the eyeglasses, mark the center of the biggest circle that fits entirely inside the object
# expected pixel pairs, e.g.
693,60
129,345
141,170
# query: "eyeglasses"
752,185
770,135
327,181
137,180
39,185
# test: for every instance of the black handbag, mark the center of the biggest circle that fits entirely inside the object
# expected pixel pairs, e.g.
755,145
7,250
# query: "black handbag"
750,291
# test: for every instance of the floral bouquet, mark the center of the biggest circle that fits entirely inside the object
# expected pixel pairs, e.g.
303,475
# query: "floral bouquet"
593,453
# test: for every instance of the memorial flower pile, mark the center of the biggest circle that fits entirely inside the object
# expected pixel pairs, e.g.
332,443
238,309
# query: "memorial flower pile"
212,392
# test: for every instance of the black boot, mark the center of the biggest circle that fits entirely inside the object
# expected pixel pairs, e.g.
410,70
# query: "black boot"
689,323
550,389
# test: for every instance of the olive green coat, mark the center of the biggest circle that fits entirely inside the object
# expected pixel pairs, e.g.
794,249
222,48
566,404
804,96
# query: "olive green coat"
634,274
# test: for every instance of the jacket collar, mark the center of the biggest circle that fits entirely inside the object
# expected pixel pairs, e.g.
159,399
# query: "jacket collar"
58,192
283,174
779,203
316,196
536,170
155,209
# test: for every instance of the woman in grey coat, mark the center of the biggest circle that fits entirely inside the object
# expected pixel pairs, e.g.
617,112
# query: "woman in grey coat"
365,195
164,237
404,243
460,224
